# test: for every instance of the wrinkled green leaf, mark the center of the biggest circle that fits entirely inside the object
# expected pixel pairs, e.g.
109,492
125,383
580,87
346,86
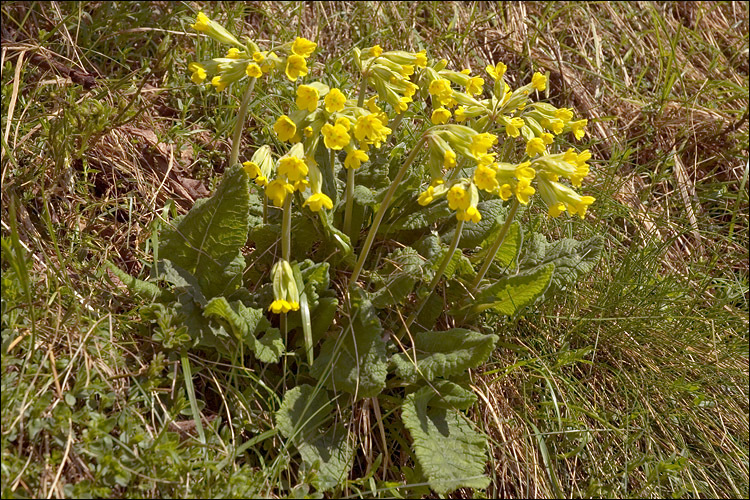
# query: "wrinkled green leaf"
206,242
493,214
572,258
443,354
421,217
511,294
306,418
357,358
449,394
247,323
509,249
403,268
143,289
450,452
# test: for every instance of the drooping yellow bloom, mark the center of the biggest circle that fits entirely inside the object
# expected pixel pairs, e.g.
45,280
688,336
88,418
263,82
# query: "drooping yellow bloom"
202,22
253,71
335,136
369,128
219,83
505,192
335,101
564,114
307,98
460,114
480,143
295,169
547,138
497,71
285,292
354,158
458,198
524,190
303,47
317,201
441,88
449,158
578,128
512,128
539,81
199,72
484,178
556,209
524,171
233,53
440,115
296,66
277,190
535,146
285,128
474,85
470,214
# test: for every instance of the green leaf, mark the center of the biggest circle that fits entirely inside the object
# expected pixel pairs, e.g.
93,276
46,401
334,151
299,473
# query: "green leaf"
247,323
443,354
356,362
183,281
305,418
449,394
143,289
207,241
511,294
421,217
322,317
572,258
450,452
403,268
509,249
493,214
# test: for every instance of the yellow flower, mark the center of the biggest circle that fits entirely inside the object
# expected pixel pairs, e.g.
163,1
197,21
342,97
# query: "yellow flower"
535,147
497,71
449,159
474,85
539,81
354,158
460,114
470,214
547,139
440,115
421,59
285,128
218,83
335,101
199,72
369,128
372,104
277,189
259,57
505,192
524,190
233,53
556,209
480,143
335,136
253,71
202,22
440,87
555,126
564,114
303,47
317,201
307,97
308,131
512,128
295,169
484,178
296,66
578,128
283,306
458,198
376,51
524,171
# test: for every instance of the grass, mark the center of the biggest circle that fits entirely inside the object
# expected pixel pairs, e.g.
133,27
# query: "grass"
632,384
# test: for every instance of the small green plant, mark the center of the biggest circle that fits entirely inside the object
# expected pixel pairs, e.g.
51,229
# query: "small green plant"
349,322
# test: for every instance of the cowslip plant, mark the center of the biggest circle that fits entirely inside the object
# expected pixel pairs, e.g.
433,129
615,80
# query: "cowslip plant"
432,166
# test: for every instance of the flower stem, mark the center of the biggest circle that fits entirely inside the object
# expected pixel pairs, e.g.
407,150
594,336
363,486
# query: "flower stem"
240,124
496,245
439,274
362,90
382,209
286,229
349,203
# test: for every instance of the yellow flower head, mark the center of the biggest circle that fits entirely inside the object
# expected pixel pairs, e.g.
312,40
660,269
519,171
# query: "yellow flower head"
202,22
277,190
535,147
303,47
335,101
296,66
480,143
547,139
505,192
253,71
474,85
307,98
470,214
199,72
513,127
578,128
285,292
421,59
458,198
564,114
354,158
440,115
335,136
555,126
497,71
285,128
524,171
233,53
539,81
449,158
524,190
369,128
295,169
219,83
484,178
317,201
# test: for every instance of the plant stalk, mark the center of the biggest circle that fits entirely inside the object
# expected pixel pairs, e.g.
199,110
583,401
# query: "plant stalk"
286,229
240,124
349,202
438,275
496,245
382,209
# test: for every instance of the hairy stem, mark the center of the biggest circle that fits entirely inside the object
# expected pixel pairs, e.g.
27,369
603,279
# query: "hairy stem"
438,275
349,203
496,245
240,124
382,209
286,229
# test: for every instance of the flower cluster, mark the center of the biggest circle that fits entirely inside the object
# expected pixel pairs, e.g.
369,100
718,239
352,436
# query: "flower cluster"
391,73
243,60
285,292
